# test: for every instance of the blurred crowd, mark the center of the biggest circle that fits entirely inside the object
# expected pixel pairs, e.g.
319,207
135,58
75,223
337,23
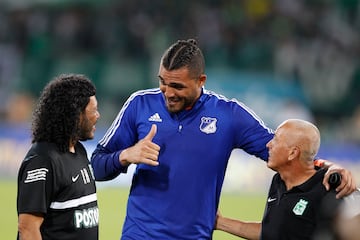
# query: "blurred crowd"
118,44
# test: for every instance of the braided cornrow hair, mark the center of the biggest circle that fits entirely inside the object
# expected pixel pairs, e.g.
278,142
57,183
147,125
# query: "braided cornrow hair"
184,53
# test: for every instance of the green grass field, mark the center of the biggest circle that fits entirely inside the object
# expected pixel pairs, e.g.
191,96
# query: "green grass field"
112,204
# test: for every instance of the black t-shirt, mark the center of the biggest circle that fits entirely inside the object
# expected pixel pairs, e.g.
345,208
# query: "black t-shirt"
62,187
294,214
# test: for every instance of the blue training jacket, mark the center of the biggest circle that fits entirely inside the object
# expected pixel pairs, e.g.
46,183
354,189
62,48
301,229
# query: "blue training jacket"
179,198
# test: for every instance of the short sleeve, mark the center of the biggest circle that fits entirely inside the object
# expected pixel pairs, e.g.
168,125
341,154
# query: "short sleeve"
35,181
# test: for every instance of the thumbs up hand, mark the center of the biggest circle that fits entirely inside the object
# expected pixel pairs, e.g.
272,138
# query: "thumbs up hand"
152,133
144,151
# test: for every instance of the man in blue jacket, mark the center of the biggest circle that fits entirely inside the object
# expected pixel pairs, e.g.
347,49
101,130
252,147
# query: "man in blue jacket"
180,135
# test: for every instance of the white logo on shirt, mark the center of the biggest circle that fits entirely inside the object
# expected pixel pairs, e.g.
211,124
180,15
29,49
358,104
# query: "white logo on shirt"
86,218
84,174
155,118
91,171
300,207
271,199
36,175
208,125
75,178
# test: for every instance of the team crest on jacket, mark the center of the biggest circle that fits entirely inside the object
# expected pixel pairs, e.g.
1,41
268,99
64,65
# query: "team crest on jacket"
208,125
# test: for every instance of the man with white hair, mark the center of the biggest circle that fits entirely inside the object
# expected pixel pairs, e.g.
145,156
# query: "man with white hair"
296,192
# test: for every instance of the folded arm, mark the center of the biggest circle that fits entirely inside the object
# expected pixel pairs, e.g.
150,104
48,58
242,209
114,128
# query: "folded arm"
106,164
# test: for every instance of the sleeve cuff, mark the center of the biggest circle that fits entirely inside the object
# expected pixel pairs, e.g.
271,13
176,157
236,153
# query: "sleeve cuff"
118,165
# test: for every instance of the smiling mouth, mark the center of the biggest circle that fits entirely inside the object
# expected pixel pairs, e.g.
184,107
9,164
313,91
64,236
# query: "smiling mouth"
172,101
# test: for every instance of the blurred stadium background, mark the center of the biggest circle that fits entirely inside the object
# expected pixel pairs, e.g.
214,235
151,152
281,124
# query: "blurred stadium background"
283,58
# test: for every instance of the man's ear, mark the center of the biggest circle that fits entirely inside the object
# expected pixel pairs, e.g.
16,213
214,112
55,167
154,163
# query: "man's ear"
202,80
294,152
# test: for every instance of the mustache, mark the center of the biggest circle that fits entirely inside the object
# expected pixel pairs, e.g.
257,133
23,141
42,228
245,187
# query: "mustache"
173,99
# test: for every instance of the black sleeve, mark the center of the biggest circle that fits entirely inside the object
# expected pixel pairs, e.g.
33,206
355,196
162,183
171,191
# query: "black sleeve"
35,183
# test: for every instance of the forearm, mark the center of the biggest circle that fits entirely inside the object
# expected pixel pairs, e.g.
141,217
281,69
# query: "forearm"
106,166
29,226
29,234
248,230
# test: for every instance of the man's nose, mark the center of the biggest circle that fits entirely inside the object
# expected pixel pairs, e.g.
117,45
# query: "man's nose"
168,91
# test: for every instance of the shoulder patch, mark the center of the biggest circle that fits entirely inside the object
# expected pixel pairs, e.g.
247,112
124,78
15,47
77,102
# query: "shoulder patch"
36,175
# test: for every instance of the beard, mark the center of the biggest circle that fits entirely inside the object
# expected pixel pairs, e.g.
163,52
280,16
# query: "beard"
86,130
176,104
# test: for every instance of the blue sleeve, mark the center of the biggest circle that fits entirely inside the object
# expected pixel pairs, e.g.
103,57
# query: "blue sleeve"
106,164
255,139
254,134
120,135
